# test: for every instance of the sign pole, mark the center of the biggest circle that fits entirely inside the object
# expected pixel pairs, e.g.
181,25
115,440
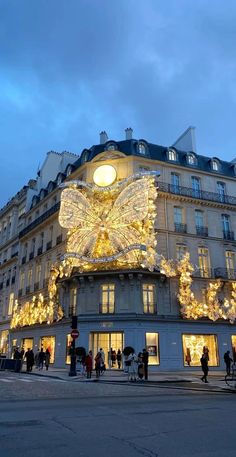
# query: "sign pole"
74,335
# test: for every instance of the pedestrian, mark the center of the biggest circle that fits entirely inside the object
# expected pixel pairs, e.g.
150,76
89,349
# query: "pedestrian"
98,361
47,358
28,357
16,354
31,359
41,359
204,363
36,359
102,354
22,353
140,366
89,364
118,358
145,363
228,361
133,367
188,357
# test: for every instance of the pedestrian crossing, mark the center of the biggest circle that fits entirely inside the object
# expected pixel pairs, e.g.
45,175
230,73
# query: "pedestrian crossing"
24,379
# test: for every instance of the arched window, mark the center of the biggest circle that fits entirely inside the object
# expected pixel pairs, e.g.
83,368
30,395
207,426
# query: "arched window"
141,149
69,170
215,165
172,155
191,159
111,147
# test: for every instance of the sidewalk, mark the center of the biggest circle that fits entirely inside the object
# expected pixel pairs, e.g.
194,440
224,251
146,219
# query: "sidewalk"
216,378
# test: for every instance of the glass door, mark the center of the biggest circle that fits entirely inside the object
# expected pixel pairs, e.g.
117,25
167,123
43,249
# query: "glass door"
110,343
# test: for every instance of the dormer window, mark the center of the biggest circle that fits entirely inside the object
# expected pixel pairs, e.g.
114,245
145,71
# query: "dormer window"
172,155
111,147
215,165
191,159
141,148
69,170
59,179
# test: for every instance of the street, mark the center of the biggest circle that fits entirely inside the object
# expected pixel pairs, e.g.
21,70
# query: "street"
52,417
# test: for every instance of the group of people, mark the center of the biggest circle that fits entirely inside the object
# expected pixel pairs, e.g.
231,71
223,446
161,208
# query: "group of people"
99,362
39,359
205,359
137,365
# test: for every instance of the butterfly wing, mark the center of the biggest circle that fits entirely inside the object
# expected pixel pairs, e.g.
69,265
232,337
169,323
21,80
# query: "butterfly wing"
76,210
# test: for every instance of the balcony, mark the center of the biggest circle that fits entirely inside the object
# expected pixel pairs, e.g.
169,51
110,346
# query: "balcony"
180,228
201,231
39,220
27,290
20,293
151,308
59,239
36,286
31,256
48,245
106,309
203,273
225,273
194,193
40,250
227,235
23,260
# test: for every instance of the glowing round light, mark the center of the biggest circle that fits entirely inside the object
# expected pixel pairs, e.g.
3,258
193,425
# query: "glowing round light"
104,175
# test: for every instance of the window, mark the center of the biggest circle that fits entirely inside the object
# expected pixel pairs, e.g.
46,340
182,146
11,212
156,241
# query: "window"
29,277
27,343
215,165
47,269
233,340
22,279
152,346
175,183
196,186
69,170
181,251
199,218
149,305
4,341
59,180
73,302
48,342
230,263
68,345
141,149
172,155
204,262
193,346
178,215
11,303
111,147
38,273
221,190
108,298
225,223
191,159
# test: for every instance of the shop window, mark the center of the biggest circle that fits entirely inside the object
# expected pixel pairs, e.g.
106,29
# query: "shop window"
48,342
108,298
4,335
152,346
149,305
193,346
27,343
233,341
68,345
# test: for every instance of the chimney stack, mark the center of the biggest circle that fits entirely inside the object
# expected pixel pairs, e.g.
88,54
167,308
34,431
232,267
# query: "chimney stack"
103,137
128,133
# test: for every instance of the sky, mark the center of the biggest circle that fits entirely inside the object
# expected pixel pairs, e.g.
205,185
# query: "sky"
72,68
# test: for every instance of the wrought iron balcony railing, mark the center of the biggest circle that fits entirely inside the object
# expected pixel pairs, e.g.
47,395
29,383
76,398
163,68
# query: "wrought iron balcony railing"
31,256
202,231
227,235
106,309
36,286
13,279
225,273
7,282
40,219
48,245
23,260
59,239
180,228
195,193
40,250
204,273
151,308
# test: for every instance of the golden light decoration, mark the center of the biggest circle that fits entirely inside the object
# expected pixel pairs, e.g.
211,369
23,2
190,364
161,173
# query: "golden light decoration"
104,175
110,227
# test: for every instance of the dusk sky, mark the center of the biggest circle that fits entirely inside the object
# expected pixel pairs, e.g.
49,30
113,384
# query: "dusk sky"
71,68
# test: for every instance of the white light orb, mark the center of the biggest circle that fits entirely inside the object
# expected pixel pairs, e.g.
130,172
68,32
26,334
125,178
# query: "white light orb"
104,175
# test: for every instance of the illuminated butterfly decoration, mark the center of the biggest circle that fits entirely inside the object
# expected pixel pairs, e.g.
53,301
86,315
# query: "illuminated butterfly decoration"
103,229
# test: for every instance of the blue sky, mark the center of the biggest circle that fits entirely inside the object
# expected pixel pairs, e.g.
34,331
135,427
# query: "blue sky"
71,68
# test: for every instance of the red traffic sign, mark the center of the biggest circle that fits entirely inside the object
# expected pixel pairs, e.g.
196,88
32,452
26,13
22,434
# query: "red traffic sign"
74,334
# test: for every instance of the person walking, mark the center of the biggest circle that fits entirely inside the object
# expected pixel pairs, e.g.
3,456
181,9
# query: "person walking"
36,358
41,359
118,358
140,366
31,359
204,363
145,363
228,361
28,357
47,358
89,364
98,363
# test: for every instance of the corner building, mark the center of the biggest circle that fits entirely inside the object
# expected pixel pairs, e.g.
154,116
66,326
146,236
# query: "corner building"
136,307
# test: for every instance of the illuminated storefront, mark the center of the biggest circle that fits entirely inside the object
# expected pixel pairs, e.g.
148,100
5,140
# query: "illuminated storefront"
48,342
152,346
4,342
193,346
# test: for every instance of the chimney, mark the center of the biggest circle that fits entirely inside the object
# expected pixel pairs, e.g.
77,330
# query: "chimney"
103,137
128,133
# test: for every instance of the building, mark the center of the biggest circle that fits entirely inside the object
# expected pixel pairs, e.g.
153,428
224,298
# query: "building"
131,305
